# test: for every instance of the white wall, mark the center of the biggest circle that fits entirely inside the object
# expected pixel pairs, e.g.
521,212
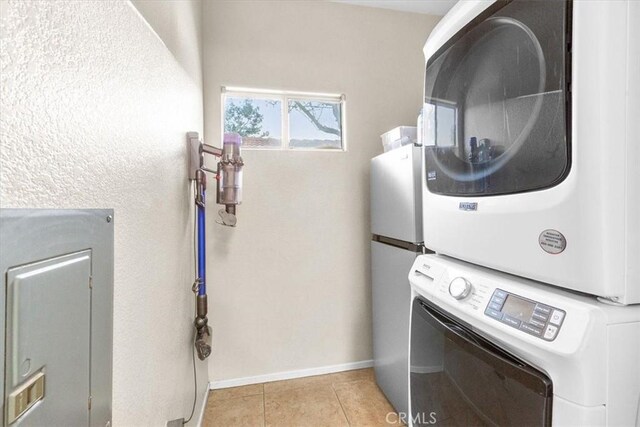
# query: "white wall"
179,25
94,111
290,286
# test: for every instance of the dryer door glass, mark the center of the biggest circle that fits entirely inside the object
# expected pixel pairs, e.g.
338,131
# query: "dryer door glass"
496,102
459,378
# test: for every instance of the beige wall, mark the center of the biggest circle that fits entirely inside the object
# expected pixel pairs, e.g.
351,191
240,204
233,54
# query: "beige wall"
290,286
94,111
178,23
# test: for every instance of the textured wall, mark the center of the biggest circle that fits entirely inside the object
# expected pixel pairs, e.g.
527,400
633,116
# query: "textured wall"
290,286
93,114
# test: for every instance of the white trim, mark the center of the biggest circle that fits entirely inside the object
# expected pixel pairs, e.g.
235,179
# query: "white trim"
290,93
204,407
287,375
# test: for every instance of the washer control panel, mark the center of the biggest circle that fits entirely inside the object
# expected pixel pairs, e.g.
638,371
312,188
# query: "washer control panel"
529,316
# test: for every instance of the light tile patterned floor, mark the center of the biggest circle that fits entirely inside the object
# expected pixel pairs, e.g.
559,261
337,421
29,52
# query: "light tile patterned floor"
349,398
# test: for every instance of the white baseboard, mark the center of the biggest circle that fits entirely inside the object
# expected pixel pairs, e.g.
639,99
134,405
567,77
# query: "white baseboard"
204,407
278,376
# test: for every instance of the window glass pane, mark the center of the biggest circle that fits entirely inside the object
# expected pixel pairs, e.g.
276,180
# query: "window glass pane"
429,124
315,124
445,125
258,121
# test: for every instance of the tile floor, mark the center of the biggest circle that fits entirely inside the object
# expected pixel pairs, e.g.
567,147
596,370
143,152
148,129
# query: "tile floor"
349,398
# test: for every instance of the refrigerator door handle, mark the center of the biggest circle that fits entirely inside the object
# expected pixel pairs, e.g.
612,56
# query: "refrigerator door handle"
410,246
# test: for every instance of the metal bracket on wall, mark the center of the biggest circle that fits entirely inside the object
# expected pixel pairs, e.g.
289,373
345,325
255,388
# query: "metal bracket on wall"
197,150
196,159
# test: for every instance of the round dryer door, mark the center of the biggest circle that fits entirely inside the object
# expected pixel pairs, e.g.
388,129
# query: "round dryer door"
495,104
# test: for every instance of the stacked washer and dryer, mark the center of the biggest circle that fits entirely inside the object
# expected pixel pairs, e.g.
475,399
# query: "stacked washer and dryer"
529,312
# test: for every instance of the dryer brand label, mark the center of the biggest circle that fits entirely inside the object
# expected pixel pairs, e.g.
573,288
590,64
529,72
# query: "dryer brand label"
552,241
468,206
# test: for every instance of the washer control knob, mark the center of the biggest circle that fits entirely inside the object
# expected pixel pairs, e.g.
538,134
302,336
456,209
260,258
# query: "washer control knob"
460,288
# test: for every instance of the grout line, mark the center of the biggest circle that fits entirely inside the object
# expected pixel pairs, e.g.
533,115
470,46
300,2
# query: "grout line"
264,408
332,384
235,397
340,403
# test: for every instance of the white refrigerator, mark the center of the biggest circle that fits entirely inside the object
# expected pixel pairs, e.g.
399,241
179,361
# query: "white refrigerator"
396,227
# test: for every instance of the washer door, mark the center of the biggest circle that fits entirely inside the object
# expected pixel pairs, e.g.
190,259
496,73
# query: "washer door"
496,103
459,378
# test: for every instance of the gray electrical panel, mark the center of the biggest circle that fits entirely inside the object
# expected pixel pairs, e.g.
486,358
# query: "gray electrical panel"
57,320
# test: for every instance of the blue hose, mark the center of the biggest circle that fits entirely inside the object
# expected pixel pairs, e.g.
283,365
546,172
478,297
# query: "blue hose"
202,289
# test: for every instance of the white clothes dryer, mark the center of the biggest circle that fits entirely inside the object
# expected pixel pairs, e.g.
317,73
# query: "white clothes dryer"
532,141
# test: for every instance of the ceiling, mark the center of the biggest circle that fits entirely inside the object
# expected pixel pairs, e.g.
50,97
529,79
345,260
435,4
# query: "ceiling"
431,7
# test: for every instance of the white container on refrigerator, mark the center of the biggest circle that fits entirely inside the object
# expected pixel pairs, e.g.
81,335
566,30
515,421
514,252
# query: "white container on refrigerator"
396,226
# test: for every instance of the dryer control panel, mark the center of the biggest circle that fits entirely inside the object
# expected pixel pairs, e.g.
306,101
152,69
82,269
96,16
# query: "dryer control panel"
532,317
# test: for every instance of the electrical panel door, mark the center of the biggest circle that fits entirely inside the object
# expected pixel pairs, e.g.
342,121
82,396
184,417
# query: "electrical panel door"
48,333
56,330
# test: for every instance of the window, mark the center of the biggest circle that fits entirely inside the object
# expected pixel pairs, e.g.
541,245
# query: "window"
284,120
441,123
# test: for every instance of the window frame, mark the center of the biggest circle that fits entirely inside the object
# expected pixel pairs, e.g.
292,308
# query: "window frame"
284,97
436,102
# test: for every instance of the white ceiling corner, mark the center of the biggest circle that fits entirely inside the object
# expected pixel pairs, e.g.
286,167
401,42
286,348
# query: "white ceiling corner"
430,7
